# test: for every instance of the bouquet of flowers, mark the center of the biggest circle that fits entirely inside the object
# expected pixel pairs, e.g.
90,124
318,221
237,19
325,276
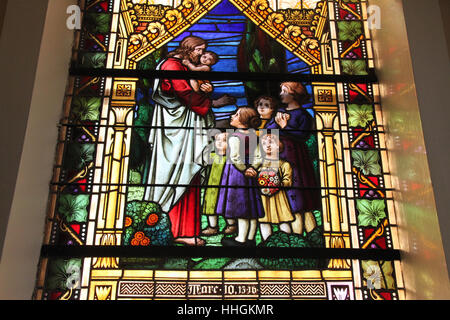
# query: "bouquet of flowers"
269,180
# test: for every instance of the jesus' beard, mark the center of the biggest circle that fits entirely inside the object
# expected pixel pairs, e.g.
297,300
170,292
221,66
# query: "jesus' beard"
193,58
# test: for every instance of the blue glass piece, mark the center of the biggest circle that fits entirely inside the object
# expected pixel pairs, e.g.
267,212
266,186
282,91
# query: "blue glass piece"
237,27
203,27
139,94
229,109
225,8
215,35
181,36
227,65
224,50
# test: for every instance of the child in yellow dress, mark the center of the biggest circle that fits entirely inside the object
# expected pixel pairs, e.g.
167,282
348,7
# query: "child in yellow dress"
273,173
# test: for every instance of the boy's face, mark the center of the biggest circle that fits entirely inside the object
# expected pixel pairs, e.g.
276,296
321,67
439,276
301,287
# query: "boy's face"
206,59
221,143
265,108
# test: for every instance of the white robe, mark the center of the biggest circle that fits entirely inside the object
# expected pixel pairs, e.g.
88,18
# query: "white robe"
176,152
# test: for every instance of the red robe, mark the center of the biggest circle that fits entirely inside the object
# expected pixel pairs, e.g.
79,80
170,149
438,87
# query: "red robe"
185,215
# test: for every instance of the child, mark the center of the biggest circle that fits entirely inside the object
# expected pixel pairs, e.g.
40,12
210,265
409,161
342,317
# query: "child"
295,125
275,201
267,108
218,159
207,60
239,197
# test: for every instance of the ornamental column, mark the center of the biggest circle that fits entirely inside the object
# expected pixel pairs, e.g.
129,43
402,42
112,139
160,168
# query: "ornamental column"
331,171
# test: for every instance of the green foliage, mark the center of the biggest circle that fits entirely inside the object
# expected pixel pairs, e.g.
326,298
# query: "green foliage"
79,156
349,30
381,272
367,161
97,22
138,211
73,207
135,193
211,264
93,60
354,67
141,263
243,264
134,177
315,238
371,212
86,108
311,145
176,264
151,61
138,150
260,53
359,115
318,216
63,274
281,239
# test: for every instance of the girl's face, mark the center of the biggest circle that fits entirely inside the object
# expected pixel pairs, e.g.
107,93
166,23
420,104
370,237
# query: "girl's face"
235,120
221,143
270,145
285,96
265,108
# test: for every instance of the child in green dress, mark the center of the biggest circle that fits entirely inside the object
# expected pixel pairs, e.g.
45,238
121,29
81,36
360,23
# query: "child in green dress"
218,159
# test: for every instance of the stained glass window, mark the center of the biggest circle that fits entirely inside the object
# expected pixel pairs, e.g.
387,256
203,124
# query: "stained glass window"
221,149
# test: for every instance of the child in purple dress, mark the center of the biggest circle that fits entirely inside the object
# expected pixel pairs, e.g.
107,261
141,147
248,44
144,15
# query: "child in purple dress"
239,197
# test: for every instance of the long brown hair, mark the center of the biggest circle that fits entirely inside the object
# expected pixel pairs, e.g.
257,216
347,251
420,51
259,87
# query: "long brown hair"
187,45
297,90
249,117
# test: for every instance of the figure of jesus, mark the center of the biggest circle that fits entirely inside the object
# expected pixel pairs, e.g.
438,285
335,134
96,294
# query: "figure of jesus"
177,142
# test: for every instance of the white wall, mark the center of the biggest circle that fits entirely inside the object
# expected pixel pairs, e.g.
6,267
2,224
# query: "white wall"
20,45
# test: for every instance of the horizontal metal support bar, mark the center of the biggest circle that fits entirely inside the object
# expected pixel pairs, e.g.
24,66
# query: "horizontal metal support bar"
209,186
244,76
87,125
50,251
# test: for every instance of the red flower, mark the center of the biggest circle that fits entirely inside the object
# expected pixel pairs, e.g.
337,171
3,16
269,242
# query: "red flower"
128,221
152,219
145,241
139,235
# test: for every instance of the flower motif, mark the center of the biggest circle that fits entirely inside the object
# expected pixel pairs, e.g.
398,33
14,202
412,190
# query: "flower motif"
349,30
73,207
128,221
63,274
359,116
140,239
367,161
86,108
371,212
354,67
145,241
380,273
139,235
152,219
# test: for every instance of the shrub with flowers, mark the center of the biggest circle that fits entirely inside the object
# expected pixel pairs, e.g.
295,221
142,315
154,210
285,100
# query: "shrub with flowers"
146,225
